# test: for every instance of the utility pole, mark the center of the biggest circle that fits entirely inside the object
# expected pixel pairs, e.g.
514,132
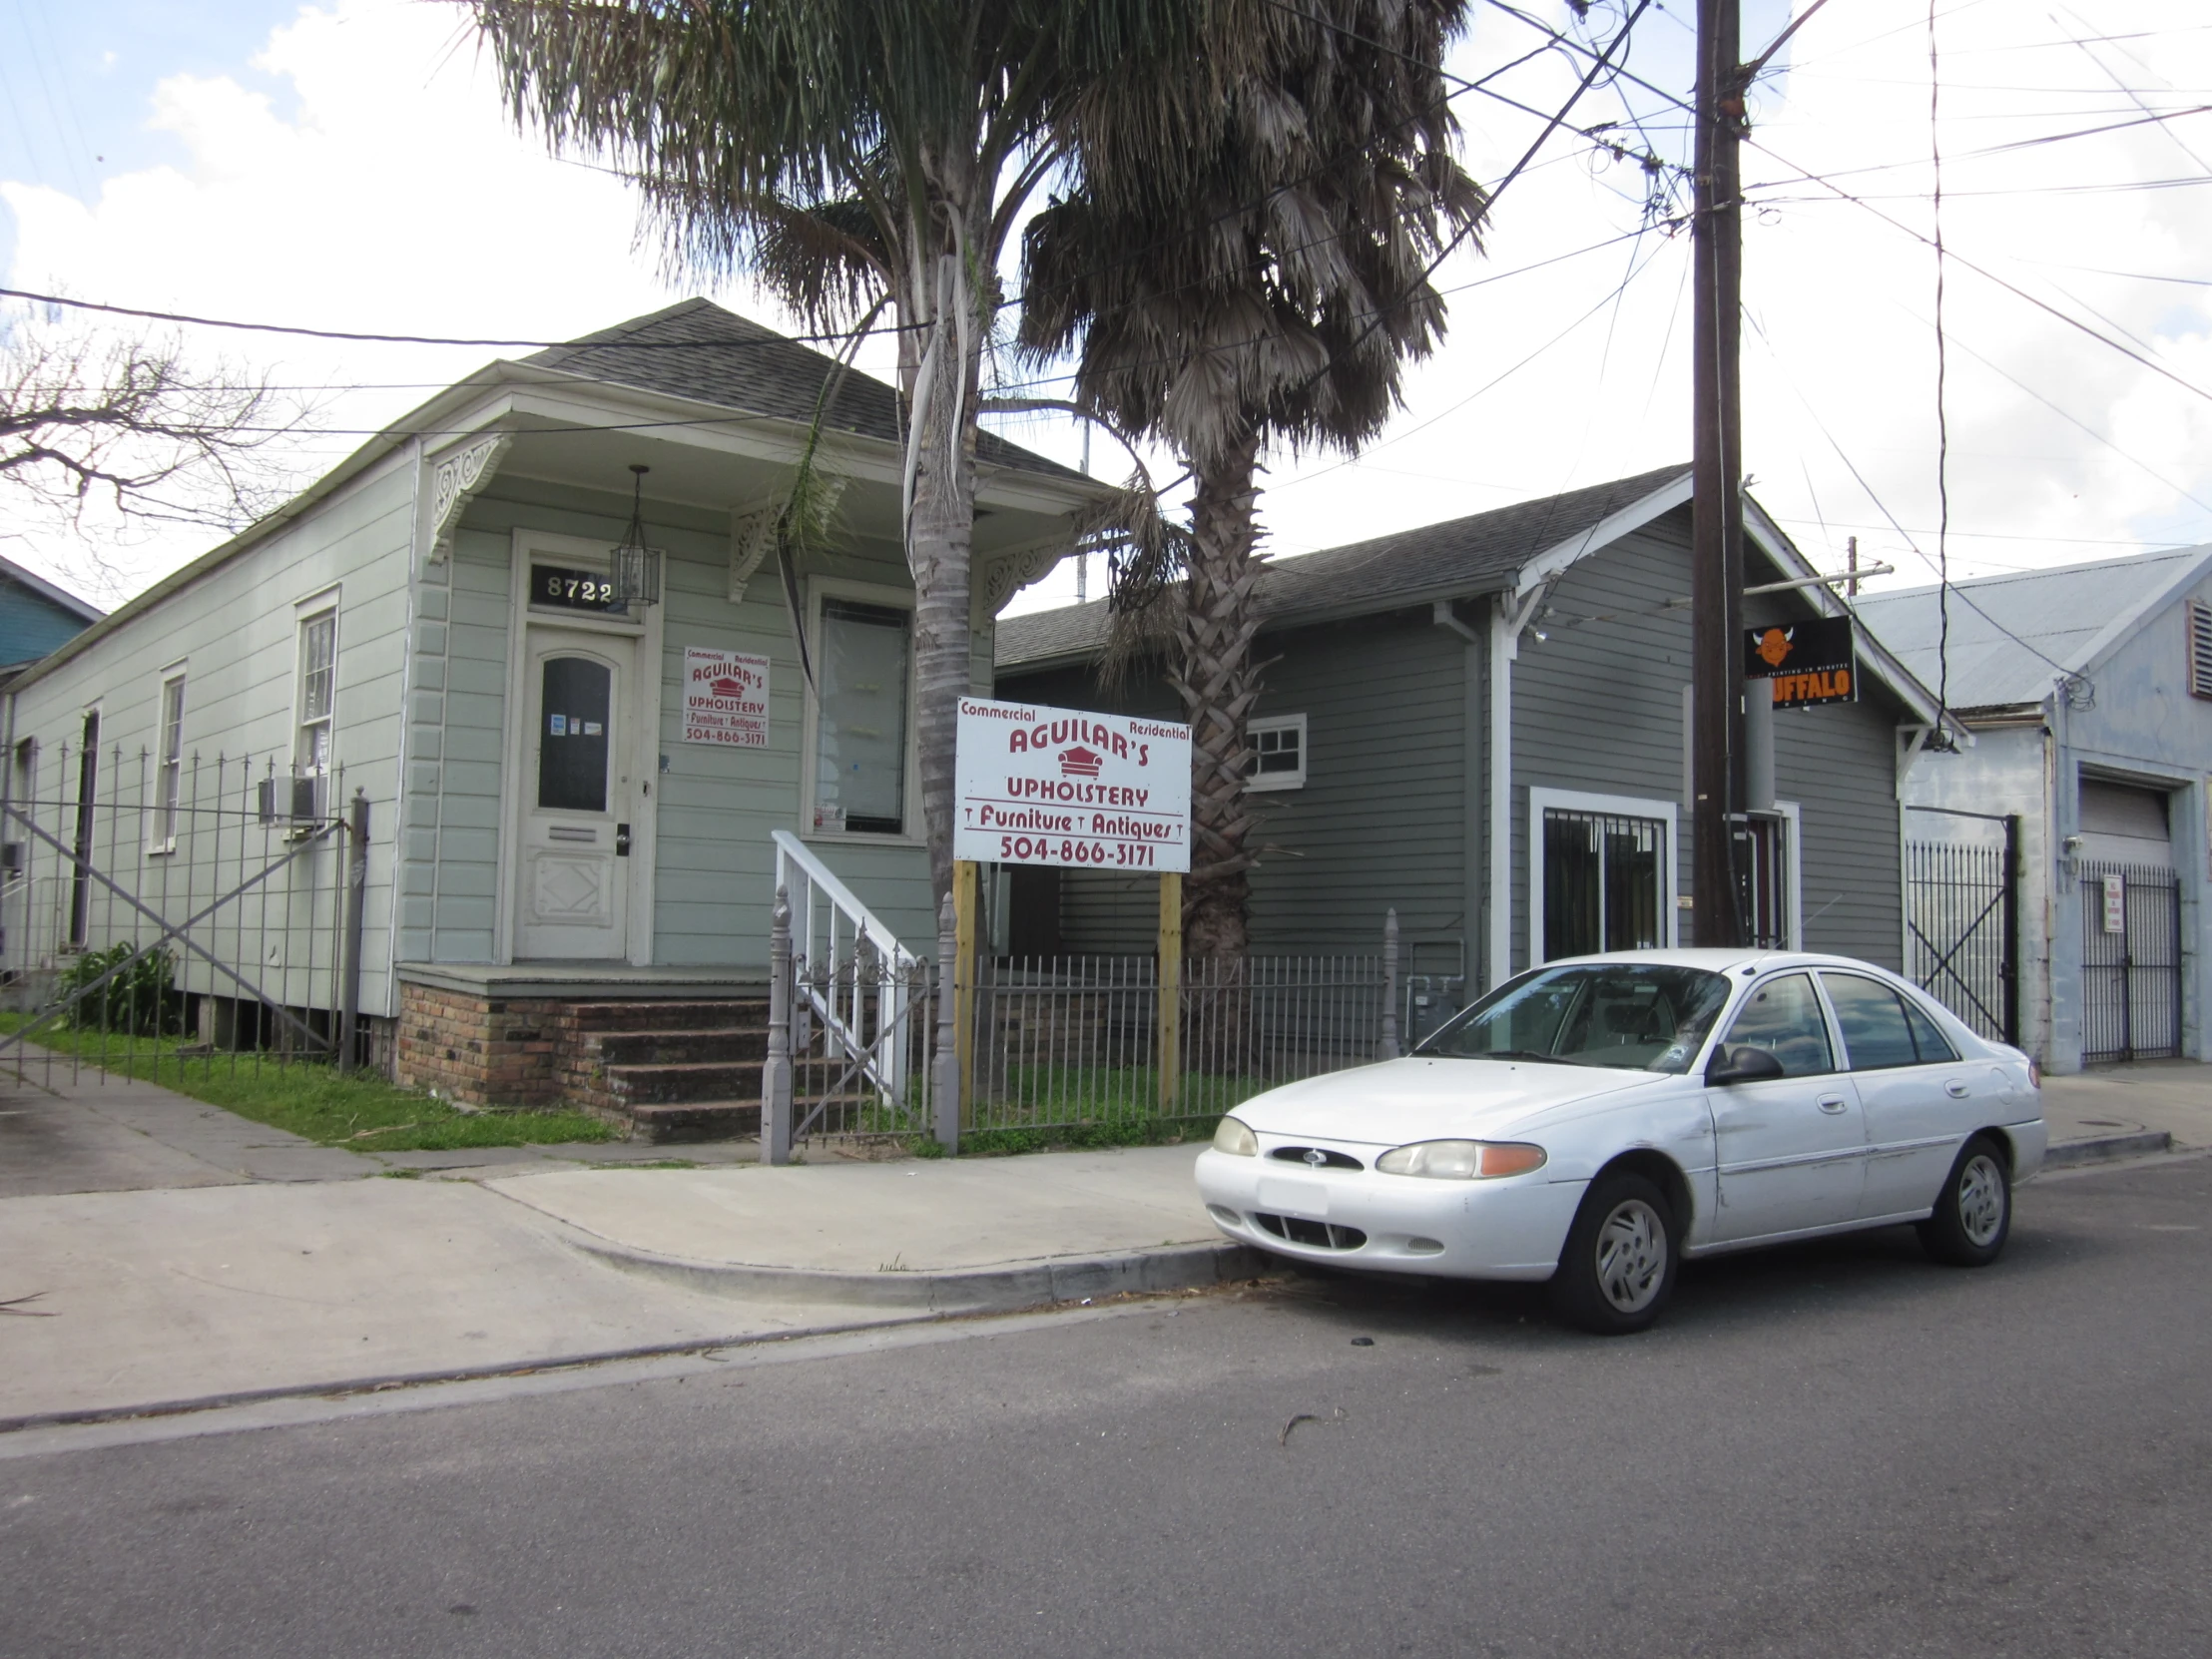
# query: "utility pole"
1717,509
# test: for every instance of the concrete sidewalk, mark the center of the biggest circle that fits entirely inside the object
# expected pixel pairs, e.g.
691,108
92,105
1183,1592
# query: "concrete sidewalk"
261,1264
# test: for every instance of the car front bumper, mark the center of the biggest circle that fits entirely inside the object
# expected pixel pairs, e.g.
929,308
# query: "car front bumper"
1506,1228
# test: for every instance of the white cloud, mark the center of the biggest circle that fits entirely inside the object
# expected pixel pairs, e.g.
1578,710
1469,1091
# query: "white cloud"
360,173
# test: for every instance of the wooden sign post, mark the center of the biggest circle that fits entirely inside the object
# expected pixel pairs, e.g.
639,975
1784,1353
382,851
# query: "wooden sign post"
1171,988
965,895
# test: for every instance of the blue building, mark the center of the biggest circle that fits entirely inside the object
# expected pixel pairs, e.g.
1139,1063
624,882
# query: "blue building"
36,617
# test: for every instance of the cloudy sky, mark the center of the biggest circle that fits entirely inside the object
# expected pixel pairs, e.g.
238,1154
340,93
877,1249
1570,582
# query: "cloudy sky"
345,165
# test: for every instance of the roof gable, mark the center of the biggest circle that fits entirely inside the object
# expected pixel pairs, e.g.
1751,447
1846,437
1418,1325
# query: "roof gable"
1481,553
698,351
2012,636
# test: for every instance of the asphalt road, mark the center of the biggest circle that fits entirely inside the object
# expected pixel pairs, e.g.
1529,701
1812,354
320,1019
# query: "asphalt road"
1831,1451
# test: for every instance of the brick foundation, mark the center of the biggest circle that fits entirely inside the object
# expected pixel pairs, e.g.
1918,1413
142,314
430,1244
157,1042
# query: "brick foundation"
487,1051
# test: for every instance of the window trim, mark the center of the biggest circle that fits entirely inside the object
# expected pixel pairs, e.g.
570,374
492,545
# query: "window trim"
161,837
819,588
2197,639
1254,781
306,612
1542,799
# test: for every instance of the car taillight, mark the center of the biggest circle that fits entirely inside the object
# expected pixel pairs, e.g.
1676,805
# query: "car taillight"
2034,1073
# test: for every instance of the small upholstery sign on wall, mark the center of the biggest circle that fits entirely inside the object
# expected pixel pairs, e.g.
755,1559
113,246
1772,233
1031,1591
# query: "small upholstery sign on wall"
725,698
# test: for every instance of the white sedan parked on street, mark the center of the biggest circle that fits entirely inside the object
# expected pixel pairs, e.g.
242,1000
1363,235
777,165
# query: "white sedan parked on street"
1595,1120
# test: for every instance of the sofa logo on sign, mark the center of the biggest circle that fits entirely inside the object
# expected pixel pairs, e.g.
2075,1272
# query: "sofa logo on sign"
1057,787
725,698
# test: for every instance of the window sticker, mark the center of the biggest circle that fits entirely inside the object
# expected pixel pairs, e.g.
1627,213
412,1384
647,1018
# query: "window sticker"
560,726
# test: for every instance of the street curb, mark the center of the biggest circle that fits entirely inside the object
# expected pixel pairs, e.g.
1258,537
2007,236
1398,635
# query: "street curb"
420,1378
2099,1149
998,1290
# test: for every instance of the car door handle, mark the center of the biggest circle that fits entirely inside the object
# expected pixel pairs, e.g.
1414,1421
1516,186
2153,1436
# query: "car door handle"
1955,1088
1832,1103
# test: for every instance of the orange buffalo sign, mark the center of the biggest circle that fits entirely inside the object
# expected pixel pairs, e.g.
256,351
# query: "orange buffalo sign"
1807,663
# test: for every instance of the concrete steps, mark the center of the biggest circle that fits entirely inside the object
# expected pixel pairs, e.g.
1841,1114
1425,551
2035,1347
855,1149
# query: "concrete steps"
674,1071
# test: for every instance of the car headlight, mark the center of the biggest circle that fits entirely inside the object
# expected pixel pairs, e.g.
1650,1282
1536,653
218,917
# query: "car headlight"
1235,1138
1462,1160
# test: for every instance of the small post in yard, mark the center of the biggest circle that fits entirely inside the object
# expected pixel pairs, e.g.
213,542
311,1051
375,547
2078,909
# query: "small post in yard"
945,1064
776,1074
1171,990
1387,1049
356,894
964,974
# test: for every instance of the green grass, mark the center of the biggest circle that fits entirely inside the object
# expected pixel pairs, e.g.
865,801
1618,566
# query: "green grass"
361,1112
1056,1109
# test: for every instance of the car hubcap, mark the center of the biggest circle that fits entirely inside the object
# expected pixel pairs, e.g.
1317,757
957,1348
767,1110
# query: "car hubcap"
1980,1200
1631,1255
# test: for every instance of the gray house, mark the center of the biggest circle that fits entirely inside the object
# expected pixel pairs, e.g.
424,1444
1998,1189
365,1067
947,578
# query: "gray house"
1483,725
2088,690
574,800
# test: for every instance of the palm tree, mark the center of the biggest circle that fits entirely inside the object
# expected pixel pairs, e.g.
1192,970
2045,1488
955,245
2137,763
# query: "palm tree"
1260,282
845,152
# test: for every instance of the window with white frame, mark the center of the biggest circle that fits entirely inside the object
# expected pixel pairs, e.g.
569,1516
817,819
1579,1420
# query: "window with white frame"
862,714
317,695
1601,873
171,779
1277,746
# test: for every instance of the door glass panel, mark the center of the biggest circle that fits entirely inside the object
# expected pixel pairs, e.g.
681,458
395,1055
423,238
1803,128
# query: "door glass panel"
572,735
1783,1018
860,753
1875,1034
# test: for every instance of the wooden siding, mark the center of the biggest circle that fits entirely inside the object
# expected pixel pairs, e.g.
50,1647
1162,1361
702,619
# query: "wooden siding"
31,624
715,863
236,630
1395,813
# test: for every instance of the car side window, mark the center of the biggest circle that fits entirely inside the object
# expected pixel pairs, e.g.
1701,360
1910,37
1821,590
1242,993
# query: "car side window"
1935,1049
1876,1036
1784,1017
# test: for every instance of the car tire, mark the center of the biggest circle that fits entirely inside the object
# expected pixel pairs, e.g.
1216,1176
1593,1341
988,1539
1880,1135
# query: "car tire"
1973,1215
1618,1266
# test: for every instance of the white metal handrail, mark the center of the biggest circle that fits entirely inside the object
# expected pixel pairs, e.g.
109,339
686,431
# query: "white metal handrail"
830,926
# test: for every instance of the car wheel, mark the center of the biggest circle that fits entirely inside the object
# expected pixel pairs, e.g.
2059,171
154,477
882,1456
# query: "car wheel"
1618,1266
1973,1217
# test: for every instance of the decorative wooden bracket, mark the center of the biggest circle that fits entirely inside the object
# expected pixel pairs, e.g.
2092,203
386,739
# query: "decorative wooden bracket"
457,477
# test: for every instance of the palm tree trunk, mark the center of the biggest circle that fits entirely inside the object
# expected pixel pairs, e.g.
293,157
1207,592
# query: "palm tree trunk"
940,530
1219,685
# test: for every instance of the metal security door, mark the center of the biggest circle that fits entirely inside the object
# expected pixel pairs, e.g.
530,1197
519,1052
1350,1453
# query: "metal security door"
2131,962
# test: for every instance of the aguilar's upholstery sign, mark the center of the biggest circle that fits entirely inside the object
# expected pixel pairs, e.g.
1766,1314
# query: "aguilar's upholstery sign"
1808,661
725,698
1058,787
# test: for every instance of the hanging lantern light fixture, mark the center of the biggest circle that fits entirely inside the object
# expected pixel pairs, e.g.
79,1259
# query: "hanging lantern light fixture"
634,569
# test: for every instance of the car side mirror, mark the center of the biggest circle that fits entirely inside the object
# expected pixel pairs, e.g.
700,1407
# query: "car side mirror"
1741,1064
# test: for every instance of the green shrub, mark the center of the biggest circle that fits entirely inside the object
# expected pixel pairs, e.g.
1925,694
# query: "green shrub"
142,999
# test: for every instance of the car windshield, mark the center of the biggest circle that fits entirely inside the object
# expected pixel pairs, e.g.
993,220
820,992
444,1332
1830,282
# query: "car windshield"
1634,1015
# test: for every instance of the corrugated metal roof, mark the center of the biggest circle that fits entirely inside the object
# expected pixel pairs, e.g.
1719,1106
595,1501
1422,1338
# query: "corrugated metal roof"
2057,614
1476,554
742,365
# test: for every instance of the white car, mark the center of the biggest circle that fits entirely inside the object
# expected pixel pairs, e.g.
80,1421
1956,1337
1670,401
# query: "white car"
1593,1121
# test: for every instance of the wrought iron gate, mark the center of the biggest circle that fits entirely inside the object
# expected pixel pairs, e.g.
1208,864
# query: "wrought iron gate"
161,912
1961,916
2131,962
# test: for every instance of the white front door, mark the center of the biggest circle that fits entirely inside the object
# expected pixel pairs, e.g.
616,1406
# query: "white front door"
572,900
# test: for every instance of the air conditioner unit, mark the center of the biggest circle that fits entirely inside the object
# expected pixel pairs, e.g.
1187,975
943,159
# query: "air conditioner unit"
295,800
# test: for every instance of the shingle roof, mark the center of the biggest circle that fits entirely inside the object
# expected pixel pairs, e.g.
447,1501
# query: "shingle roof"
1476,554
739,364
2062,613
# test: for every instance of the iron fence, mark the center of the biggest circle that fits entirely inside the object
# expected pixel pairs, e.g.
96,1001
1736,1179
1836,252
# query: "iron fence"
155,915
1054,1045
2131,962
